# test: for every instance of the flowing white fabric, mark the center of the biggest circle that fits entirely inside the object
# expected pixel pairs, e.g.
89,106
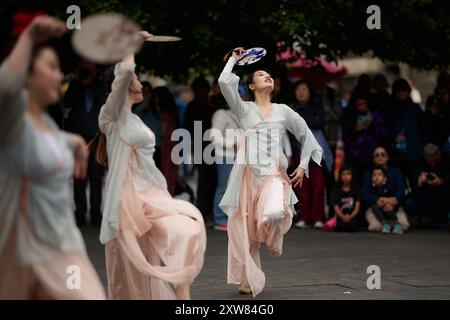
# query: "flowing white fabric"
153,243
259,200
28,159
123,130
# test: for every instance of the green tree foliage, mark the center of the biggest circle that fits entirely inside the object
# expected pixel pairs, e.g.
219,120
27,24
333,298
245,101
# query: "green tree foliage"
416,31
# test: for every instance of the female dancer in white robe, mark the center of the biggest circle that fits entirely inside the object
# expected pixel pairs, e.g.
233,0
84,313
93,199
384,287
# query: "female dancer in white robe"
259,200
155,244
41,249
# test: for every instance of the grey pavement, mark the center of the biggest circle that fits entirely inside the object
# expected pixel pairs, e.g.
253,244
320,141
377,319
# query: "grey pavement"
327,265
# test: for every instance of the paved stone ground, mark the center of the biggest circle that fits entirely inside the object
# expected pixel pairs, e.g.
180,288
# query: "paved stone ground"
327,265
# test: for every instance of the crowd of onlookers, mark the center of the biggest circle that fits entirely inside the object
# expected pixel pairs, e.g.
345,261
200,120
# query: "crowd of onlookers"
385,162
396,167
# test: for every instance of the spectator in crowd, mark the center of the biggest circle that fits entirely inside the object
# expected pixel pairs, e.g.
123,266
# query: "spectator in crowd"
443,97
312,191
407,130
362,131
364,83
281,89
200,109
180,100
380,98
164,104
437,122
381,159
346,201
443,79
330,99
430,202
384,211
84,98
442,93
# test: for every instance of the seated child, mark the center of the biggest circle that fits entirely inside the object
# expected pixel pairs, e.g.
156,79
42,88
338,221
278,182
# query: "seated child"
385,212
346,202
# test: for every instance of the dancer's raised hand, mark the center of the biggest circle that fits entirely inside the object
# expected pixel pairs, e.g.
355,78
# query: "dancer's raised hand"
43,28
40,29
145,35
141,37
238,52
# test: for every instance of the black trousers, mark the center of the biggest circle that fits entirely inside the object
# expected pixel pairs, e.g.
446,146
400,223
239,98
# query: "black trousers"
433,204
351,226
95,178
206,188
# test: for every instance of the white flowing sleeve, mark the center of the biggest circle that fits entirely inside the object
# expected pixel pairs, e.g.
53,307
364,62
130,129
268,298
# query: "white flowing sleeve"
12,103
287,146
309,146
229,86
111,110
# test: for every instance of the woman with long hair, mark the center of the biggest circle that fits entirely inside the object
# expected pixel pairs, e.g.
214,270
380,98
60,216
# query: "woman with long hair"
154,244
41,248
259,200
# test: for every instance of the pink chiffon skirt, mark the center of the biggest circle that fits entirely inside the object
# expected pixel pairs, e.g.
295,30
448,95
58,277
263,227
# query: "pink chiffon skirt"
247,228
49,279
161,244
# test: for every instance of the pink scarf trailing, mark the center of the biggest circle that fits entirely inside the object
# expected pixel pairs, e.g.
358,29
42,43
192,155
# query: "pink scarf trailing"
247,230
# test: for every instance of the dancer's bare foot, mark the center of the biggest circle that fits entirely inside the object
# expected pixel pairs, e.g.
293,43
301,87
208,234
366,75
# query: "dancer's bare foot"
183,292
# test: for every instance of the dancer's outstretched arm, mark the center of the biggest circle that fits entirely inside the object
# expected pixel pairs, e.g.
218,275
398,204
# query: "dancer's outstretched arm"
229,84
310,148
13,72
123,74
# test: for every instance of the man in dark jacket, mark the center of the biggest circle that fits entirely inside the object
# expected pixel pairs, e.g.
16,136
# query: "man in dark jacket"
407,129
201,109
84,98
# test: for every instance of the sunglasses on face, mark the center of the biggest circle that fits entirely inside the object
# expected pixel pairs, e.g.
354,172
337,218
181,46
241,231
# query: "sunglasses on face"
379,154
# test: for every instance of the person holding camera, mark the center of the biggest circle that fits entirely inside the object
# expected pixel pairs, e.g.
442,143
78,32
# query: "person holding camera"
430,202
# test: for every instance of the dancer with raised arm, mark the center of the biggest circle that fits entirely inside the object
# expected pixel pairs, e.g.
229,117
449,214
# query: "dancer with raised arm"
259,200
41,248
155,244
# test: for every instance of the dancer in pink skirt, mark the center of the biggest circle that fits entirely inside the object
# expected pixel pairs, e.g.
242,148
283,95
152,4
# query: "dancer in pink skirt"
259,200
40,244
155,244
